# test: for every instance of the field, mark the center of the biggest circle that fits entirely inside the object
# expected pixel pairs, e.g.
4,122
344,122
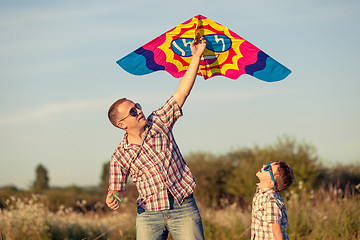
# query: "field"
324,204
324,214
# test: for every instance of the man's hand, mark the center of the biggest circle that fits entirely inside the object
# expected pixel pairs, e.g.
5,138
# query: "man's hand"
198,47
111,202
186,83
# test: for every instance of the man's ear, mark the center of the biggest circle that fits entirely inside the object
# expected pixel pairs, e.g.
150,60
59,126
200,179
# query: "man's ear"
121,125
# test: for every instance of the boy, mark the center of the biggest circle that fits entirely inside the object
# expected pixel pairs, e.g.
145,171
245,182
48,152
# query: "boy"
269,218
149,153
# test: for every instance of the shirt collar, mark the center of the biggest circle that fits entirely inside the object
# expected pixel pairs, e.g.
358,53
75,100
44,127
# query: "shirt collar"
263,190
126,145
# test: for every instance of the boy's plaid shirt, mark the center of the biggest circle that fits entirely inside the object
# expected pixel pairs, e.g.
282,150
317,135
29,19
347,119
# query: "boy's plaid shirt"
267,208
156,166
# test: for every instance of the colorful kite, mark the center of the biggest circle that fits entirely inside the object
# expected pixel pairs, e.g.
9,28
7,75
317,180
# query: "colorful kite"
226,54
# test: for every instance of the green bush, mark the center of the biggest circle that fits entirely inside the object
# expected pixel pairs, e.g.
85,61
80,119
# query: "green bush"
230,177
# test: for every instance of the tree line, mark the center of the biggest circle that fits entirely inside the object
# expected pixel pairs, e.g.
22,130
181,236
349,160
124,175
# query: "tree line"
222,179
229,178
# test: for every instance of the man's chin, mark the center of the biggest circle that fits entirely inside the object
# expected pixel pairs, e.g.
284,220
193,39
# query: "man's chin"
143,122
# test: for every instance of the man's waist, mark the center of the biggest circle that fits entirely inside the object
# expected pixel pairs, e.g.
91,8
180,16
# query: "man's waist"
170,196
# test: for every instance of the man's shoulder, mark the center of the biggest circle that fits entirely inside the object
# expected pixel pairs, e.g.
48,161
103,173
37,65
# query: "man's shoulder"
121,149
118,152
167,106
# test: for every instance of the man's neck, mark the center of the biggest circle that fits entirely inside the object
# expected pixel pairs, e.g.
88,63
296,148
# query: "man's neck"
135,137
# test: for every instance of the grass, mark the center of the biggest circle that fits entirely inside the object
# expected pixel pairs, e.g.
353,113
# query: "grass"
324,214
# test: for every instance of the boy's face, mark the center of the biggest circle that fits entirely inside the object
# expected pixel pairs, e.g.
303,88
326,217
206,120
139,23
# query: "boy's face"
265,177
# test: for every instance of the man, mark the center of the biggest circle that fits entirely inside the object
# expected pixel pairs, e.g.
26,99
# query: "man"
149,153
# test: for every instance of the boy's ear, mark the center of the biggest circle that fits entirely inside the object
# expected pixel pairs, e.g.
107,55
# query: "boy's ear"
271,183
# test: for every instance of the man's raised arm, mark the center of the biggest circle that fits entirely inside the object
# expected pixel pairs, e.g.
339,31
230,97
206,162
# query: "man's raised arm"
186,83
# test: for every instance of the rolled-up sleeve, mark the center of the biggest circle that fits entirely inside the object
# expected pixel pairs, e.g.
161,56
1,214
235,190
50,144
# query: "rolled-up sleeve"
273,212
118,175
169,112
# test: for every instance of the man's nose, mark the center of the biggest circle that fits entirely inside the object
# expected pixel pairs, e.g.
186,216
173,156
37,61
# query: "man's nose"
138,111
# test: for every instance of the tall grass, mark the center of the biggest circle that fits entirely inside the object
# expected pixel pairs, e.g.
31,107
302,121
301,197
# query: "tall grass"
30,219
325,214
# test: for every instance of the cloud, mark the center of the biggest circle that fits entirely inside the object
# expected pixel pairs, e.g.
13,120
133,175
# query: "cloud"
53,109
230,95
54,12
53,32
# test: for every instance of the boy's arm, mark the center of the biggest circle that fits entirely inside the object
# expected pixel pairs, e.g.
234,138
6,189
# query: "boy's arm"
187,81
277,231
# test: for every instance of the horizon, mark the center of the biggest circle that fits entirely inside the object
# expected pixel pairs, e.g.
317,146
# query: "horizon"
59,75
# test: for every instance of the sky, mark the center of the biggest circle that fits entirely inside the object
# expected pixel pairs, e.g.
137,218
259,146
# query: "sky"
58,77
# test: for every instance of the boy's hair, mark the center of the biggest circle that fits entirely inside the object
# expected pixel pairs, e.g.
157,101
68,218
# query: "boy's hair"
284,176
113,111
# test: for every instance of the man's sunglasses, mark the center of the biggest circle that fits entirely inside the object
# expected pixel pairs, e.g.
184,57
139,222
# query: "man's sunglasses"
133,111
268,168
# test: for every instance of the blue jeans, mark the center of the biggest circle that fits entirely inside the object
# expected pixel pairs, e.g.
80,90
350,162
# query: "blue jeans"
182,221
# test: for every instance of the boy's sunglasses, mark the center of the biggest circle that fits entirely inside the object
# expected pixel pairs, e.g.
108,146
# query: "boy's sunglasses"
268,168
133,111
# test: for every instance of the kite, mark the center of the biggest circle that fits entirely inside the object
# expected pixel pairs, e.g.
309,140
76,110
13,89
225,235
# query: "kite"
226,54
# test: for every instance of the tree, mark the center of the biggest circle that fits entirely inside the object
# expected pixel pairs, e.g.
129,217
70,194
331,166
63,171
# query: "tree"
231,177
301,156
42,180
210,173
104,182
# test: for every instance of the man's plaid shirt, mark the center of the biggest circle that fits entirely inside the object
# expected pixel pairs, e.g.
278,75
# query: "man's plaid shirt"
267,208
156,166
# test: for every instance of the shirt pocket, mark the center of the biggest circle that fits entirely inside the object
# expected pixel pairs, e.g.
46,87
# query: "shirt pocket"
259,212
159,142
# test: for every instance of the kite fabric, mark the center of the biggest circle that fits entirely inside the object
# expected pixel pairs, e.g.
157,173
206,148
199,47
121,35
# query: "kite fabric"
226,54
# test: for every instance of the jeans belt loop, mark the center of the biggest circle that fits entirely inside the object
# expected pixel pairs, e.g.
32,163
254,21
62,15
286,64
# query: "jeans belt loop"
170,196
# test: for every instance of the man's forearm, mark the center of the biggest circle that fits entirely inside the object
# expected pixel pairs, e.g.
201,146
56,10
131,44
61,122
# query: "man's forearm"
187,81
